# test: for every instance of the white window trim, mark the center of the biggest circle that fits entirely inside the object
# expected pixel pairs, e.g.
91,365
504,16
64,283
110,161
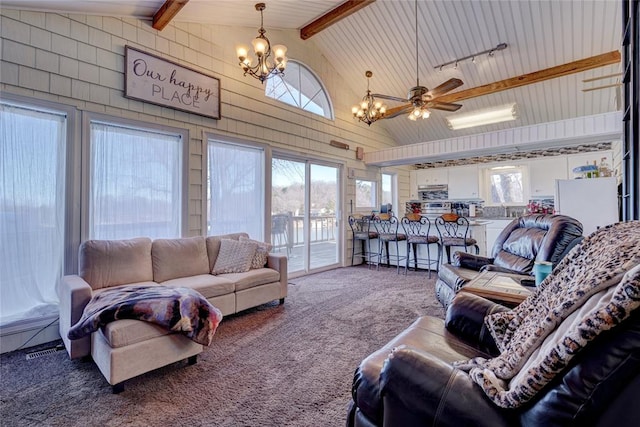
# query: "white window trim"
87,118
266,202
485,185
332,115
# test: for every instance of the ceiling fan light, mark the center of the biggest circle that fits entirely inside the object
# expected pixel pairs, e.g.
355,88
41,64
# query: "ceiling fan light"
413,117
483,117
425,114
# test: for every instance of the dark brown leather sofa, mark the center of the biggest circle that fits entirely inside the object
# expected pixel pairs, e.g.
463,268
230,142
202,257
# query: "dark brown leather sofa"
415,384
536,237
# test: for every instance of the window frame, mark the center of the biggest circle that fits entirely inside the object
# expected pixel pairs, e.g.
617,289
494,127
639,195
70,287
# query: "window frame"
317,79
266,183
374,195
486,185
87,119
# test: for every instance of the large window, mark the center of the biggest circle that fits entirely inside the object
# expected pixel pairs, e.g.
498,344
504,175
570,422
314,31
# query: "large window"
235,189
301,88
136,182
33,150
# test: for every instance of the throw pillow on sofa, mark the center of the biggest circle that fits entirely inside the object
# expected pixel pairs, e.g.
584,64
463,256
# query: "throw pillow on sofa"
234,256
262,253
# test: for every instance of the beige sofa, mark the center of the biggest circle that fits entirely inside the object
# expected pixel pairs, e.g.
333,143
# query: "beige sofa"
127,348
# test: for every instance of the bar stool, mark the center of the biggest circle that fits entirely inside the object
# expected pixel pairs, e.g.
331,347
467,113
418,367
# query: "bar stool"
280,231
362,233
417,232
387,228
454,231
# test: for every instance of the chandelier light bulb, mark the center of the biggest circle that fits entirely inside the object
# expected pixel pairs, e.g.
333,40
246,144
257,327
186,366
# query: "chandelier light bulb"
279,52
242,52
354,110
259,46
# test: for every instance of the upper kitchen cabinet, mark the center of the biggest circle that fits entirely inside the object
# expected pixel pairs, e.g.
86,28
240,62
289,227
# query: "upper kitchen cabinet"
591,158
543,174
463,182
433,176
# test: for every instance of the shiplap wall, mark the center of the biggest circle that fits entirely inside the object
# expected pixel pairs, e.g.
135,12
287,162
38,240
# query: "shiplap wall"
581,130
78,60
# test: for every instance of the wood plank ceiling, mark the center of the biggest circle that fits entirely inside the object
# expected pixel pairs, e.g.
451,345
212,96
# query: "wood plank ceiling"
381,37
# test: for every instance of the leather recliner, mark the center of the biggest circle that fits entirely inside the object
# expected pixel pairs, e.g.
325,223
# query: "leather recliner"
531,238
411,381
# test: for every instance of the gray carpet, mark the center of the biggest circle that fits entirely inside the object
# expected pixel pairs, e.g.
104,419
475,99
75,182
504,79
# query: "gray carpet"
288,365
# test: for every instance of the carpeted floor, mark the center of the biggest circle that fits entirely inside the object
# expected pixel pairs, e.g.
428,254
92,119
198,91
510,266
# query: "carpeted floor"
288,365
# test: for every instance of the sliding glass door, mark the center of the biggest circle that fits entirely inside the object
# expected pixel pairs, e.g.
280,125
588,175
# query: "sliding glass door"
304,206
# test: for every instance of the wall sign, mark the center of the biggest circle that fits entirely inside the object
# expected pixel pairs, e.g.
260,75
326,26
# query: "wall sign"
156,80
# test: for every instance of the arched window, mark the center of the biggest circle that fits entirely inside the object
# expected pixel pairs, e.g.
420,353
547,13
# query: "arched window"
301,88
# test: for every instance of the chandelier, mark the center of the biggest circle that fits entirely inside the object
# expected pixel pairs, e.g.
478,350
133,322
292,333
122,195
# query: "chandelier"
266,67
369,110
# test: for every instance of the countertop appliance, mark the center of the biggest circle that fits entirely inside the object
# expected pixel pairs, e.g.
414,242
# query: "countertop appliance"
593,202
432,210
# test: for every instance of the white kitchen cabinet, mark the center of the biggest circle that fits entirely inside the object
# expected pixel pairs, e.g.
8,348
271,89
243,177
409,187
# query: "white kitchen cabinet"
582,159
543,174
463,182
494,228
433,176
479,232
413,185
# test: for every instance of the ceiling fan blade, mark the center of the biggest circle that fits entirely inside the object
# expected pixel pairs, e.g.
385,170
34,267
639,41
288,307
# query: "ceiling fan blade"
398,111
446,106
389,97
445,87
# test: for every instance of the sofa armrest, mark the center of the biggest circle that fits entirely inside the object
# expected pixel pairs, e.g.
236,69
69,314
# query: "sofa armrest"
465,319
499,269
74,294
278,262
418,389
470,261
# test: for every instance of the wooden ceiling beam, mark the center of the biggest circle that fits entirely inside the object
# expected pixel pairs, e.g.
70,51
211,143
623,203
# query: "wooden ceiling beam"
340,12
592,62
166,13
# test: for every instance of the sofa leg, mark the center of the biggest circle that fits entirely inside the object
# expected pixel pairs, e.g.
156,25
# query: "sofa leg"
117,388
281,301
192,360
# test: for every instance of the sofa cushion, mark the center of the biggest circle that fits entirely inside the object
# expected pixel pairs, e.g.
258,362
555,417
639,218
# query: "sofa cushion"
173,258
122,333
106,263
234,257
253,278
208,285
262,253
213,245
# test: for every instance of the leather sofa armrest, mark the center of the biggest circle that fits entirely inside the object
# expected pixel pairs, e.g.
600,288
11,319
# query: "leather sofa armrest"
465,319
470,261
278,262
419,389
504,270
74,294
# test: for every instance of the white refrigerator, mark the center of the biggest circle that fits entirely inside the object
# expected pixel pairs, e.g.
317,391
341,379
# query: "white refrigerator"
593,202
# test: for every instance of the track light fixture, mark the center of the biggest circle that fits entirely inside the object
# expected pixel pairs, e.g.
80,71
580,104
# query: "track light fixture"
490,52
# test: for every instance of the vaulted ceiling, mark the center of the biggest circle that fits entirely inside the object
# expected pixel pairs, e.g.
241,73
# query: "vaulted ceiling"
381,37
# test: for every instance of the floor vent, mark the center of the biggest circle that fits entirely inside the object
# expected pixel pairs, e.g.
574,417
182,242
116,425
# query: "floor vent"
42,353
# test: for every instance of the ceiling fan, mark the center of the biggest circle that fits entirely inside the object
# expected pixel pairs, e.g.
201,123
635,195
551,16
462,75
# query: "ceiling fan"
420,99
